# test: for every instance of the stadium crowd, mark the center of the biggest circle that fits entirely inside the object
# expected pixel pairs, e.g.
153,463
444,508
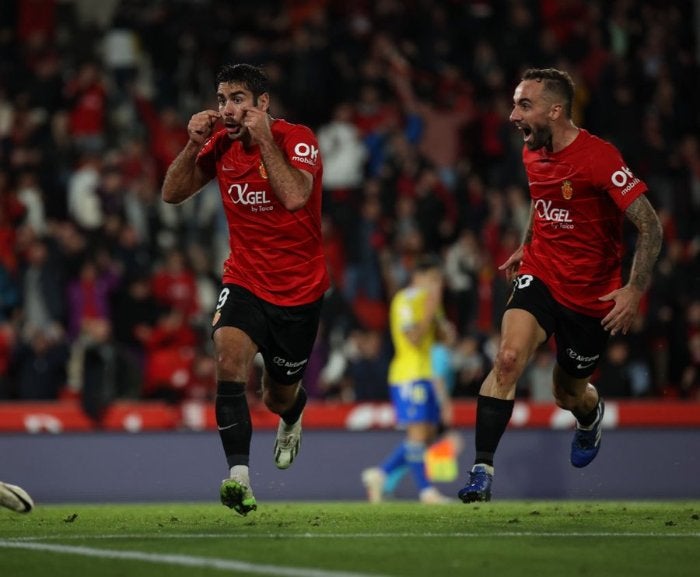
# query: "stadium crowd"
106,292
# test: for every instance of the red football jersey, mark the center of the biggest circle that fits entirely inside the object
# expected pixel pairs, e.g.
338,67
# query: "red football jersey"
276,254
579,196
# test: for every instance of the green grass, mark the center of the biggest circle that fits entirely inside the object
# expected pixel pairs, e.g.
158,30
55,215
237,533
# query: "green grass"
400,539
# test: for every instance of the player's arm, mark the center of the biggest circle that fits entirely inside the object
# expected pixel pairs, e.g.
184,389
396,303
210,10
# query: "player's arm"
291,186
512,263
649,239
184,178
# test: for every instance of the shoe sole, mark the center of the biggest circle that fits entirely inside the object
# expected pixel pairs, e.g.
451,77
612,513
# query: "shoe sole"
474,497
233,495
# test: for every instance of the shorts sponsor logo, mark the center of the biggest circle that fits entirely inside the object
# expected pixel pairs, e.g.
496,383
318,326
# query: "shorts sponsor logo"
292,367
582,362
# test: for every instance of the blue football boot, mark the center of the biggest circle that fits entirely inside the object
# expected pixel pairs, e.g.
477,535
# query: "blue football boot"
586,442
478,488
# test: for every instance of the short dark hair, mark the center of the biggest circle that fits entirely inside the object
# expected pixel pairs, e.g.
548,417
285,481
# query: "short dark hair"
251,77
426,262
557,82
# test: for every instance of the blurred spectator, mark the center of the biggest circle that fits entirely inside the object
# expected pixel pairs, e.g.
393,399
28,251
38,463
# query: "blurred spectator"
613,379
364,241
12,214
536,382
344,156
86,96
135,312
462,263
83,202
174,284
43,291
411,104
89,295
445,108
99,371
9,294
8,340
207,286
30,195
40,364
170,353
368,368
166,132
470,366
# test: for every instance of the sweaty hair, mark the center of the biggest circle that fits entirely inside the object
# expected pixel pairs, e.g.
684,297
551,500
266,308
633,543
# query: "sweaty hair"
247,75
556,82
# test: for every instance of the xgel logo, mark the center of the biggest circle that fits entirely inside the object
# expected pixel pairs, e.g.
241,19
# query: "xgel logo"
544,210
305,153
240,194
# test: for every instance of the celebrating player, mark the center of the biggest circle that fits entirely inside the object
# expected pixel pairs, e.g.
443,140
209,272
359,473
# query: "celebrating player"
269,173
416,319
569,280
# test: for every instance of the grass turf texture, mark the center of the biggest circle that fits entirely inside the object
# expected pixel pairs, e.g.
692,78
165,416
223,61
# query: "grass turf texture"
400,539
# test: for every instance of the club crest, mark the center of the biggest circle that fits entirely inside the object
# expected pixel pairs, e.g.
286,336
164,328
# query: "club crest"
567,191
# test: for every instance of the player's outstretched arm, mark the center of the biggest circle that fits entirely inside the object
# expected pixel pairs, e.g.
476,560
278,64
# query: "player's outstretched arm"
184,178
649,239
512,263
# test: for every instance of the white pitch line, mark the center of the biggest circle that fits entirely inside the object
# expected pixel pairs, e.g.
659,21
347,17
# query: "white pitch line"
182,560
505,534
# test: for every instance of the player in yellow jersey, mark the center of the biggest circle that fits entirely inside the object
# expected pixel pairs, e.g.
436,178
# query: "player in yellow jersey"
416,320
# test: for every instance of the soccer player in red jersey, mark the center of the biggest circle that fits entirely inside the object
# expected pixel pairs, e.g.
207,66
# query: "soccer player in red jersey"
566,274
269,173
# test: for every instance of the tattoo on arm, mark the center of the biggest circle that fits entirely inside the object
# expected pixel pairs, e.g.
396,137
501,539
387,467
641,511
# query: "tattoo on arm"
649,239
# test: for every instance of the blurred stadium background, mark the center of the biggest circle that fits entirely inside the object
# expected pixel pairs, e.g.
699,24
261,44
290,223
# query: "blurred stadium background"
106,376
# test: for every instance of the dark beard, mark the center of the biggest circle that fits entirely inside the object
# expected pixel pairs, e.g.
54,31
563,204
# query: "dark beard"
541,138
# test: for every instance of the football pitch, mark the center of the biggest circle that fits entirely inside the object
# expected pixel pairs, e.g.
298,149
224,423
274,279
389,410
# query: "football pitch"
355,539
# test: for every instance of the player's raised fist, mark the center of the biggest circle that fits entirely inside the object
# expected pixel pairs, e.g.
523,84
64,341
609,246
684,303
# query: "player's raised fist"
201,125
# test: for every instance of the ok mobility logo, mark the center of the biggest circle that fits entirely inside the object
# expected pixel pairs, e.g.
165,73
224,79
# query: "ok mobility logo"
306,153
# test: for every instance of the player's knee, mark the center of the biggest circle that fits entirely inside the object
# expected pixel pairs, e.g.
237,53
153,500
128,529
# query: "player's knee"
231,366
508,363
